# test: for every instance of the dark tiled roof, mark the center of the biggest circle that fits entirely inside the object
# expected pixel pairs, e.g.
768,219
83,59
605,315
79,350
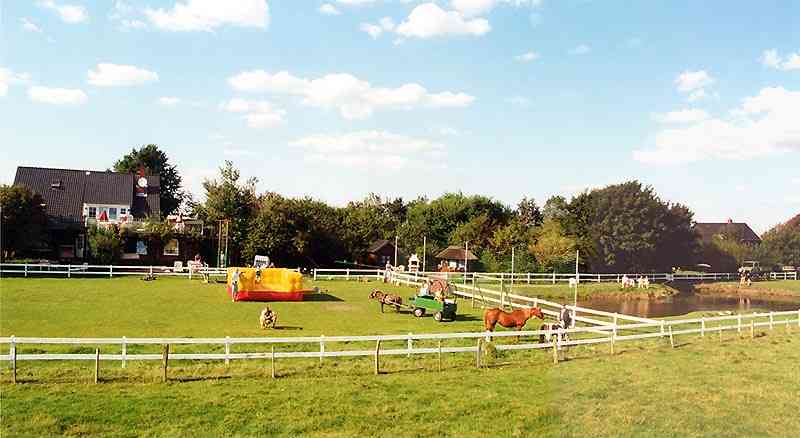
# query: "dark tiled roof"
708,230
378,245
76,187
455,253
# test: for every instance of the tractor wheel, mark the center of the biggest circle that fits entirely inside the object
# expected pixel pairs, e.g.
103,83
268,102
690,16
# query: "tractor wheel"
438,316
418,312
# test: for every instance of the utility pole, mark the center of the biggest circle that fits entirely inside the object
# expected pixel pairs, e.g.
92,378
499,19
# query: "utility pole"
466,261
395,250
577,277
512,268
424,252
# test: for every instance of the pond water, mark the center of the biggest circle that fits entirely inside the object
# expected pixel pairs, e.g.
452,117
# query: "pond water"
687,302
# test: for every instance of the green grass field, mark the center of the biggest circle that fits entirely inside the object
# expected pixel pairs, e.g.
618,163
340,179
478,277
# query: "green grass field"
704,387
788,288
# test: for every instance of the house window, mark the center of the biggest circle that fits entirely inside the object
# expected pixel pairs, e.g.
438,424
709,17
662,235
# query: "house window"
171,248
123,211
112,214
93,212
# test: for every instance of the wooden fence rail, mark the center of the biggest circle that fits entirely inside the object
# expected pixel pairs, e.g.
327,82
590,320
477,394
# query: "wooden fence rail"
69,270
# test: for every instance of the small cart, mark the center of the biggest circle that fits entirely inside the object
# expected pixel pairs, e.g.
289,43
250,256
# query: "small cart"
444,309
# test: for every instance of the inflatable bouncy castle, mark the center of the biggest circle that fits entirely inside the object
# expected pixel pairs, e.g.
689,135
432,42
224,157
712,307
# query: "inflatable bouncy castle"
265,284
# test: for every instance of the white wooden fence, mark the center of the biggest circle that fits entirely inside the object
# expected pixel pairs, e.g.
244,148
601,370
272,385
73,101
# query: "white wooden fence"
68,270
609,333
534,277
783,275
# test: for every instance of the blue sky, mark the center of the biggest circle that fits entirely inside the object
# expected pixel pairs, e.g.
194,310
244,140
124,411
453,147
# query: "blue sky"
340,98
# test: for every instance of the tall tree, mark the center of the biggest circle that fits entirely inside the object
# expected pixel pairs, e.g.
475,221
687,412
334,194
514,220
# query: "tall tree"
155,162
23,220
781,244
228,198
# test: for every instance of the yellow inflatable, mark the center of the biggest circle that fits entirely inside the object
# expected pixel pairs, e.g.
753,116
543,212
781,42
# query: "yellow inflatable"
265,284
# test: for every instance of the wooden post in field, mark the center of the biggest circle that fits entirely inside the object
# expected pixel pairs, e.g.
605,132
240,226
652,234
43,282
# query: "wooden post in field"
671,338
613,336
378,357
478,354
771,321
227,350
321,348
739,324
752,329
272,360
13,353
96,365
165,362
555,351
124,350
440,355
702,327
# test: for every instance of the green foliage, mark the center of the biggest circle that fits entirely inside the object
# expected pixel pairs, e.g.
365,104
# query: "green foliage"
155,162
23,220
626,227
227,198
294,232
781,244
105,244
553,249
365,221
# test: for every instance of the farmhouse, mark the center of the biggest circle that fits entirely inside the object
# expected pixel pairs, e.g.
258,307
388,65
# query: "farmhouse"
76,200
726,230
454,257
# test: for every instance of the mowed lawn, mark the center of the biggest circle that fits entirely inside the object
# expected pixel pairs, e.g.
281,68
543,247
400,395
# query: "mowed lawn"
704,387
781,287
178,307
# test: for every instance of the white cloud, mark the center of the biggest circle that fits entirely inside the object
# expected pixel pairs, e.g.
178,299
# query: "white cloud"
527,57
207,15
372,149
29,25
71,14
125,15
580,50
8,78
429,20
519,101
328,9
689,115
762,125
386,24
57,96
114,75
258,114
693,80
353,97
771,58
169,101
371,29
697,95
473,8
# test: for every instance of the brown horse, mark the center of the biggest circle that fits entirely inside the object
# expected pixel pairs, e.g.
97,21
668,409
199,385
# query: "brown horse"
387,299
516,319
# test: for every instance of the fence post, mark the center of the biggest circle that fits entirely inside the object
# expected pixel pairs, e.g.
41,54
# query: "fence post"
702,326
151,270
410,344
315,274
613,337
124,350
478,354
771,320
529,278
272,360
377,357
165,362
440,355
321,347
739,324
720,333
13,353
752,329
69,270
662,327
96,365
798,317
110,271
555,351
227,350
671,339
554,277
348,274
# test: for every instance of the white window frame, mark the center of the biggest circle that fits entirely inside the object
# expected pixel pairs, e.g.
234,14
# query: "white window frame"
177,248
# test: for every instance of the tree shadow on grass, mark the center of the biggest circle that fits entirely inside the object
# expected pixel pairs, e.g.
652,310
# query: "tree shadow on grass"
322,297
